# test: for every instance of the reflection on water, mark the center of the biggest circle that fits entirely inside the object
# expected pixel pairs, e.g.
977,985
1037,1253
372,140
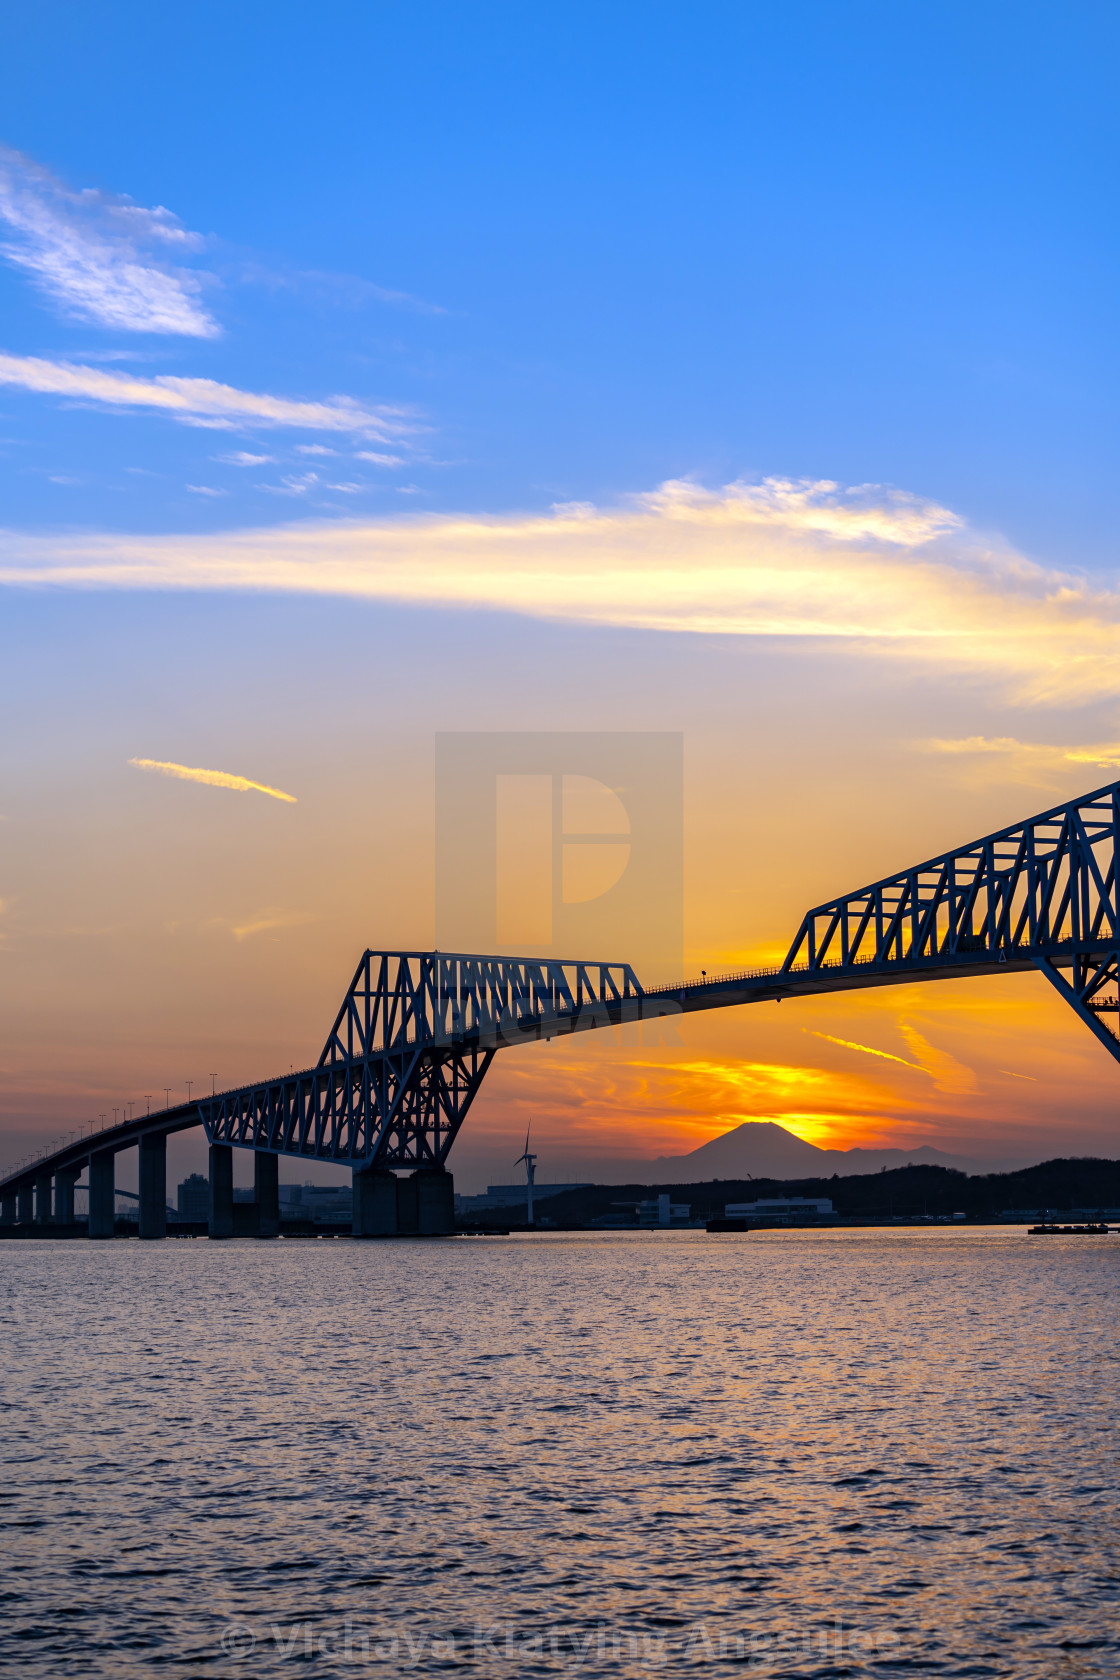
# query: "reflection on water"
856,1452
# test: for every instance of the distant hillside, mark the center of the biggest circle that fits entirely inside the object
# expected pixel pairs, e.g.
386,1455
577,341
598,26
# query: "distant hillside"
762,1149
903,1191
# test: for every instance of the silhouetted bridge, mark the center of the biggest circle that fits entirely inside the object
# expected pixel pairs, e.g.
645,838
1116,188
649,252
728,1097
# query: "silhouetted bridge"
418,1030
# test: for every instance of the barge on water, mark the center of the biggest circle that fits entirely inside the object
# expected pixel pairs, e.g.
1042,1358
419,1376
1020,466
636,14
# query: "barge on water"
1069,1230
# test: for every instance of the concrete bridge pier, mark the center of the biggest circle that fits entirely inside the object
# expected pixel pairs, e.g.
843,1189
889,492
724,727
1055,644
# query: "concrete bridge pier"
375,1203
435,1203
25,1207
408,1224
43,1185
266,1193
8,1208
221,1190
102,1194
153,1186
422,1205
64,1183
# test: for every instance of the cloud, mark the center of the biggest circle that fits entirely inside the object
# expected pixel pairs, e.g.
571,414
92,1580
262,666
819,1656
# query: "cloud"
212,778
292,484
206,490
199,402
266,921
947,1073
865,1049
87,252
242,458
347,290
985,758
877,571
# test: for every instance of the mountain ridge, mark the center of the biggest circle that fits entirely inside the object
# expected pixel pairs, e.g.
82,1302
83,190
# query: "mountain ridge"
763,1149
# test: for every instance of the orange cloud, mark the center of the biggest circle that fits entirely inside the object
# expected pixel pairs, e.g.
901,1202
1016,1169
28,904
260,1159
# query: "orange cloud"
850,1044
211,778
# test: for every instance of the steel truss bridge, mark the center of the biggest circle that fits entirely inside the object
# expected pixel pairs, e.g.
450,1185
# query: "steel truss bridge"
418,1030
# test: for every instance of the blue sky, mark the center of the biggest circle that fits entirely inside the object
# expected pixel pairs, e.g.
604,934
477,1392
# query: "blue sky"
373,370
865,243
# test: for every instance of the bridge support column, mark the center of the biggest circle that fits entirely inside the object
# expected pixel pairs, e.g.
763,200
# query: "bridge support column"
407,1221
266,1193
375,1203
64,1183
435,1203
8,1208
102,1194
25,1207
153,1186
221,1190
43,1199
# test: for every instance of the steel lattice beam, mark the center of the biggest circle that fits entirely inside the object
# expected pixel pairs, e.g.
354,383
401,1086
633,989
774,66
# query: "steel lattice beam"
418,1030
1042,894
408,1050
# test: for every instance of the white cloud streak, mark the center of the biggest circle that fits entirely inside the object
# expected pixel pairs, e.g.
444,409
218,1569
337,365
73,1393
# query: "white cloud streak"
870,569
981,759
210,778
90,253
200,402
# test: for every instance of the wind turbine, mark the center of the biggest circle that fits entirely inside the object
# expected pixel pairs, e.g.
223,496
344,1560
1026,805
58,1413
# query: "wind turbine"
530,1166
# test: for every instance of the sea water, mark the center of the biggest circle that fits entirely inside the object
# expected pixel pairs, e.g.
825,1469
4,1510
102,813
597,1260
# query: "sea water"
807,1452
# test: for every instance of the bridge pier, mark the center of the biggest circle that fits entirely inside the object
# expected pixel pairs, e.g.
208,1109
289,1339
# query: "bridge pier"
8,1208
25,1207
422,1205
375,1203
408,1224
266,1193
43,1184
102,1194
221,1191
64,1183
435,1203
153,1186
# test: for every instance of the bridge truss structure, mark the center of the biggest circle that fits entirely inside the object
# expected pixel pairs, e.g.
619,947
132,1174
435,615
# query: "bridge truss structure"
418,1030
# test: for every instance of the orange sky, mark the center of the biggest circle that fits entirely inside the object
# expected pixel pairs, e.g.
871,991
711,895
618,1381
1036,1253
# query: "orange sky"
155,928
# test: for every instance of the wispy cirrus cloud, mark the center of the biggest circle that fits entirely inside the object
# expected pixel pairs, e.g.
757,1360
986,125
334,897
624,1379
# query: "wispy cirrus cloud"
348,290
884,574
1035,763
211,778
270,921
948,1074
93,254
201,402
865,1049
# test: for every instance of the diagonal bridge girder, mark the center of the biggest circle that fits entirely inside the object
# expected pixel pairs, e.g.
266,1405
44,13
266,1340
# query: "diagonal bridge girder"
1042,894
418,1030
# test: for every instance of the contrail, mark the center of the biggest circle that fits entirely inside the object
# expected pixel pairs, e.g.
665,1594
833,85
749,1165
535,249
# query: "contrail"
213,778
849,1044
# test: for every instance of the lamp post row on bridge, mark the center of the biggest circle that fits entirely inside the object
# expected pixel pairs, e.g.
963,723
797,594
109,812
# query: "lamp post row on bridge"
46,1150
